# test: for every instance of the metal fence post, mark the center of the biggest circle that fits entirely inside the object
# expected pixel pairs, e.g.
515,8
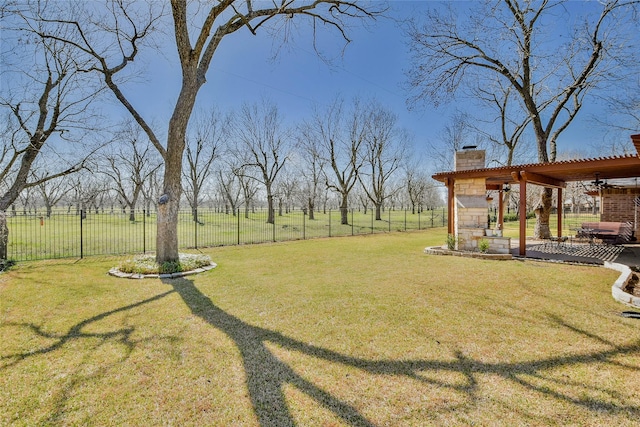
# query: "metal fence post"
144,231
304,231
372,218
352,222
329,222
443,218
389,220
81,234
195,228
238,226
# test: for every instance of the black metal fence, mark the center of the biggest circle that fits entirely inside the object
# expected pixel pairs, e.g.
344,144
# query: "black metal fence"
63,234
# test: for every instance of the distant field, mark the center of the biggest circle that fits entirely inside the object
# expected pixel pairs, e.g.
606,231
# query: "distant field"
64,235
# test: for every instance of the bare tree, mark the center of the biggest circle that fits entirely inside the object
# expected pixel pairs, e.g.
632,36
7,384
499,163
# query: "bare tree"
249,188
286,187
340,134
151,190
513,120
129,164
27,200
48,102
228,185
113,42
51,191
417,184
511,40
622,117
310,165
457,133
262,145
87,191
384,150
204,139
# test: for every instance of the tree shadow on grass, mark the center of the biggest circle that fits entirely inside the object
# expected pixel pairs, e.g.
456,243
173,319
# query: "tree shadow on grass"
267,375
77,332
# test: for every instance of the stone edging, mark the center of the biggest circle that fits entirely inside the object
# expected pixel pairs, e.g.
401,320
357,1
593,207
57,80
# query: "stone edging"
439,250
617,290
117,273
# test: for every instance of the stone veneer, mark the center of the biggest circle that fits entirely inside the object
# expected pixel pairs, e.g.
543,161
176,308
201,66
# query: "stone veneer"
471,207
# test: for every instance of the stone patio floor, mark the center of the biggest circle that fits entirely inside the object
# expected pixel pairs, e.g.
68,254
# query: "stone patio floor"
580,252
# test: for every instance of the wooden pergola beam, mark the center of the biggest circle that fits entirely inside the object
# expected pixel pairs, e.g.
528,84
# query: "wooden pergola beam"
545,181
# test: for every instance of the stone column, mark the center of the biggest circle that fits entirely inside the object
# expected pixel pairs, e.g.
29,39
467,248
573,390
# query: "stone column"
470,201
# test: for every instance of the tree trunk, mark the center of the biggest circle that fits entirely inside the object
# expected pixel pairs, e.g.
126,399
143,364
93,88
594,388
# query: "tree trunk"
167,227
378,211
543,213
270,214
344,213
169,202
311,211
4,235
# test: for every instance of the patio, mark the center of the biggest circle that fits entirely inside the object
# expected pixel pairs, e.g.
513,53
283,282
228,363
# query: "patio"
468,184
581,252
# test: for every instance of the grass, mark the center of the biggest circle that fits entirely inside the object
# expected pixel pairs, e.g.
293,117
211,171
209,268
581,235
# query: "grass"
363,330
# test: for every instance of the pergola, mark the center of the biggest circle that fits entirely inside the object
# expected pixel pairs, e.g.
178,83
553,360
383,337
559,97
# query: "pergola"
549,175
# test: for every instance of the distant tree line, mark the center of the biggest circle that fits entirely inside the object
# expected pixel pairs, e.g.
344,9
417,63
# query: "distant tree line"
352,154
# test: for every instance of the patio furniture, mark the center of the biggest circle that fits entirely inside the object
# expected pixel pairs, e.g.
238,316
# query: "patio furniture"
559,241
614,233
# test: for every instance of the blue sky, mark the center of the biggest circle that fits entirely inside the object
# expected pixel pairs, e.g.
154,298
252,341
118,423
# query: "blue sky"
373,65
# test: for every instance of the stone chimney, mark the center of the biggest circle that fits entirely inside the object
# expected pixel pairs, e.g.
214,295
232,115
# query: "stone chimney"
469,158
470,200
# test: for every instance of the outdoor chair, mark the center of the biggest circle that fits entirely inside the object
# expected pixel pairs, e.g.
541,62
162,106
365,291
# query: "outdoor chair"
555,240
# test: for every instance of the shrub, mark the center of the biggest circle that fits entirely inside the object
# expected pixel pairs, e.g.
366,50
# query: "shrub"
6,264
451,242
512,217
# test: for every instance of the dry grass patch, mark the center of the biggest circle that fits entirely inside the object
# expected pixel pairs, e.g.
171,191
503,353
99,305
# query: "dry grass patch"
350,331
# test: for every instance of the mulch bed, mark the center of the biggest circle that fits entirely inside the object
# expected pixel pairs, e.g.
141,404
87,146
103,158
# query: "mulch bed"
633,286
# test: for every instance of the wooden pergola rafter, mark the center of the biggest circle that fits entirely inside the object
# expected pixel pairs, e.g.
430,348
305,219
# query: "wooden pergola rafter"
549,175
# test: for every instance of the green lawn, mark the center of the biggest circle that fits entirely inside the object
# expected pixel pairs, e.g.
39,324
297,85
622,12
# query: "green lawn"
363,330
65,234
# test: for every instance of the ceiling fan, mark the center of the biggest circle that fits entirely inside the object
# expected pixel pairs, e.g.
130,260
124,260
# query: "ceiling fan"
599,184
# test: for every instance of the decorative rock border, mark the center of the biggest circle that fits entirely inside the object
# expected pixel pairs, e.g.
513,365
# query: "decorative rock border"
117,273
439,250
617,290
